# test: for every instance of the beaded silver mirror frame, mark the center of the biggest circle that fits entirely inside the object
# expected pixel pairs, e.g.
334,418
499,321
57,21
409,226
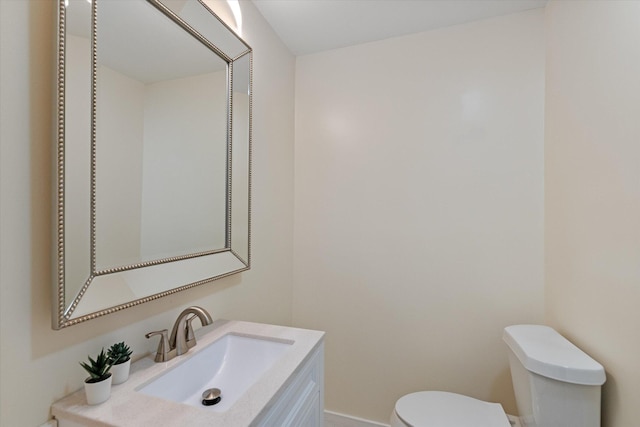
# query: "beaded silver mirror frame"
188,270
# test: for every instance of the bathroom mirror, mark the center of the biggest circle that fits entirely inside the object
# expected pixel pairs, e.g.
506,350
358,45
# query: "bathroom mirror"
153,153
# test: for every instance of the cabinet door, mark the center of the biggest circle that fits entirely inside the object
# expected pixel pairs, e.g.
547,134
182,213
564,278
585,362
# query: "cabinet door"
300,404
309,416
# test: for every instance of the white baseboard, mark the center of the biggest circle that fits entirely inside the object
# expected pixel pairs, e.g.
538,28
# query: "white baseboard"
333,419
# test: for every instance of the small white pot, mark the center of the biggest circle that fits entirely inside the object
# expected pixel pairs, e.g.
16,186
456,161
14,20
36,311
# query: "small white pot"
121,372
98,392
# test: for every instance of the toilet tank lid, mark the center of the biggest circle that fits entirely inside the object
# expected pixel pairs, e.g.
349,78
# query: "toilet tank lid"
544,351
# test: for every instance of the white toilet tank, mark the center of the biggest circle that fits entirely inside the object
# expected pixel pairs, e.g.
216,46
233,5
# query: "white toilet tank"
556,384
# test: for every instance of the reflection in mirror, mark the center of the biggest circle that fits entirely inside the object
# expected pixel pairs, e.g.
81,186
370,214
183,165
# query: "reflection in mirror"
207,25
161,139
153,153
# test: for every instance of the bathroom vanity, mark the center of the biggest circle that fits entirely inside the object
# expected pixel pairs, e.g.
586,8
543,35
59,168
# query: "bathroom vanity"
287,391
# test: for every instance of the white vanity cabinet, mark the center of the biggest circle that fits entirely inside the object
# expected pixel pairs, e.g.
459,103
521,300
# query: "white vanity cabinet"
301,402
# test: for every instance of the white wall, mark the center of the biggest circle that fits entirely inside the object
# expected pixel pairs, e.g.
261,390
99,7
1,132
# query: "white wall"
39,365
419,209
592,195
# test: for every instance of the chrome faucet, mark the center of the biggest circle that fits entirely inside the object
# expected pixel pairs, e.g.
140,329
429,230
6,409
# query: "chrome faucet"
182,336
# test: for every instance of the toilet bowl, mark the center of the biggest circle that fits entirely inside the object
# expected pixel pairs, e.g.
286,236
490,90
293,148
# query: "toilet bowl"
443,409
555,384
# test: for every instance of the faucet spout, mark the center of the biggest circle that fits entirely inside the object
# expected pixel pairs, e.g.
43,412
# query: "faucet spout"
182,336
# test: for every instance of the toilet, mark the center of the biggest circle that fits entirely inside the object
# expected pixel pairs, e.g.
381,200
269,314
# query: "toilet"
556,385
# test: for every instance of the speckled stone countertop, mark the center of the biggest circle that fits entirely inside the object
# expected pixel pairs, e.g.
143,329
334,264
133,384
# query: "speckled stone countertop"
128,408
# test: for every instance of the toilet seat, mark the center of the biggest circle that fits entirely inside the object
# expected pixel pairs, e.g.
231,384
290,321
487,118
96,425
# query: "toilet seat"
443,409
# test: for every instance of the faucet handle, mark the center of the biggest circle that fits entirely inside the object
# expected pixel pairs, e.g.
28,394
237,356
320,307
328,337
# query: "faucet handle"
162,354
191,336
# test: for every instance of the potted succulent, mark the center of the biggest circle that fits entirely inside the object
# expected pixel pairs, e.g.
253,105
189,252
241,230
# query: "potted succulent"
120,356
97,386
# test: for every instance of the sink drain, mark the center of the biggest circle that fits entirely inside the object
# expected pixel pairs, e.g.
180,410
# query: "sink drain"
211,396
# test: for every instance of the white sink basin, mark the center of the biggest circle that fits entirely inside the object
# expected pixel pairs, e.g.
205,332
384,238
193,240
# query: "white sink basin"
232,364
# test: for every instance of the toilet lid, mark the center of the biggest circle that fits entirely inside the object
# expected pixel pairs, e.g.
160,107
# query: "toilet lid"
442,409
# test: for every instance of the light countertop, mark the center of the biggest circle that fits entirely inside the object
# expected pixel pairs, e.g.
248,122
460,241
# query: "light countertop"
128,408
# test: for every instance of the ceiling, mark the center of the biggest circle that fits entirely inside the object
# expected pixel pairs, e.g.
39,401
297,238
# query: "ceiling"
309,26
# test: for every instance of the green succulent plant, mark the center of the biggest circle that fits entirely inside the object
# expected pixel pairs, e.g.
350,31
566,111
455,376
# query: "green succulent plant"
99,368
119,353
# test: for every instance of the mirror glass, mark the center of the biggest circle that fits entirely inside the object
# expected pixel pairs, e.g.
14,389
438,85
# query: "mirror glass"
161,139
153,153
